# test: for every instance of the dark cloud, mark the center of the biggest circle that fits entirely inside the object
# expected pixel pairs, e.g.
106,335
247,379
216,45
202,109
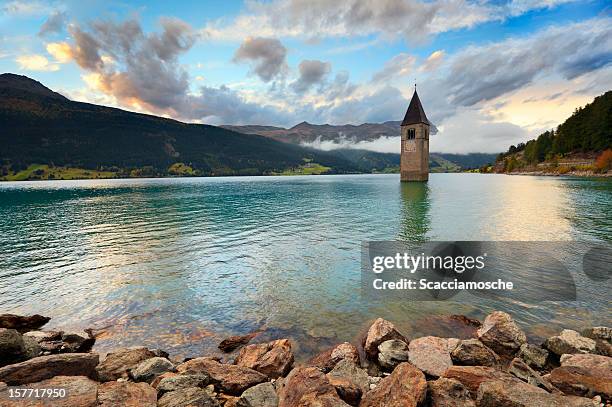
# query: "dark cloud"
54,24
312,72
267,56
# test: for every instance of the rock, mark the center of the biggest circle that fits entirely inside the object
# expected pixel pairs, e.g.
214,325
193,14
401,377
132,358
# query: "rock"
569,341
273,359
160,353
45,367
379,332
22,323
126,394
308,386
117,364
231,379
502,394
80,392
44,336
500,333
77,341
327,360
521,370
178,382
430,354
473,376
31,348
348,391
472,352
347,369
603,348
584,377
392,353
449,393
598,332
261,395
405,387
163,376
587,361
149,369
189,397
535,356
12,347
234,342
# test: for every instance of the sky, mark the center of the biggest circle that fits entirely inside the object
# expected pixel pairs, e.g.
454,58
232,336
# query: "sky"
489,73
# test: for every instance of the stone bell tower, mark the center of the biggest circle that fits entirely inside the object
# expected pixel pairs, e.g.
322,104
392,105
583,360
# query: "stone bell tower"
414,159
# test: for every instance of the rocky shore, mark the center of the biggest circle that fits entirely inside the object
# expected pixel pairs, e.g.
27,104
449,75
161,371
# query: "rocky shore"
495,368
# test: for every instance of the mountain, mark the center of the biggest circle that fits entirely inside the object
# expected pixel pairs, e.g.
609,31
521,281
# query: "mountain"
42,127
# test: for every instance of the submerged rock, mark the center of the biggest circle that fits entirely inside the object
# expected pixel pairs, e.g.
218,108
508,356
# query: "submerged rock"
308,386
405,387
569,341
45,367
118,363
261,395
126,394
500,333
231,379
148,370
472,352
379,332
22,323
449,393
273,359
392,353
430,354
234,342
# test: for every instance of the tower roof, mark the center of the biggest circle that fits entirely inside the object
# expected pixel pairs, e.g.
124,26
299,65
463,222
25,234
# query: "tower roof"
415,113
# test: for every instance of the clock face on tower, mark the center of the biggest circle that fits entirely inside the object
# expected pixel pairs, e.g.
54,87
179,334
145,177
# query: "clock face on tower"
410,146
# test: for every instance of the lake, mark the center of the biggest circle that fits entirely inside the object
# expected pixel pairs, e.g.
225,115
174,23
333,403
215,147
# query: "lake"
180,264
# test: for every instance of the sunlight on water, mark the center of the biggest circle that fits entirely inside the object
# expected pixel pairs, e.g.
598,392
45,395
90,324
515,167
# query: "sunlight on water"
180,263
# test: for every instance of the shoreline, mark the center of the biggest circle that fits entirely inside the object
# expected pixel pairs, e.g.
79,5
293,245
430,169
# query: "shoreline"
492,365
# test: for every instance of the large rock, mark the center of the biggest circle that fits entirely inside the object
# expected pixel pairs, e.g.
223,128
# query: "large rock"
392,353
80,392
535,356
273,359
587,361
328,359
261,395
77,341
234,342
348,391
473,376
347,369
500,333
126,394
449,393
149,369
308,386
405,387
521,370
472,352
503,394
45,367
569,341
598,332
587,379
178,382
118,363
379,332
12,347
189,397
430,354
231,379
44,336
22,323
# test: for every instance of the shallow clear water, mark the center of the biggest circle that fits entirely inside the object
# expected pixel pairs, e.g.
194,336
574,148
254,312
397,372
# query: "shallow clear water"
181,263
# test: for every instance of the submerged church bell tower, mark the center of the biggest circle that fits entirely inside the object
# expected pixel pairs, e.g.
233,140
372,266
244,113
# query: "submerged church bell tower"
414,159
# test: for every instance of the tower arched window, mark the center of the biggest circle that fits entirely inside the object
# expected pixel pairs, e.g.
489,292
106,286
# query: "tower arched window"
411,134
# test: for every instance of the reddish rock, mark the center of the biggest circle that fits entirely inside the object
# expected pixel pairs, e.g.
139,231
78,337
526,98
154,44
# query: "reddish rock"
80,392
126,394
231,379
503,394
472,352
449,393
77,341
45,367
234,342
430,354
327,360
500,333
581,381
347,390
521,370
308,386
118,363
587,361
273,359
22,323
379,332
473,376
405,387
348,370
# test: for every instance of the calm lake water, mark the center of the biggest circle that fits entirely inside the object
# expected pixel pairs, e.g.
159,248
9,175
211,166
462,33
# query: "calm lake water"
181,263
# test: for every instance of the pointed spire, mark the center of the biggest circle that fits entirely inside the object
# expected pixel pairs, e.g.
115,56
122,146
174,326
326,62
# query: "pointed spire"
415,113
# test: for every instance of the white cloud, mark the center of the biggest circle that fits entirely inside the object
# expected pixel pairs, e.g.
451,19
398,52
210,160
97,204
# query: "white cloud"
35,62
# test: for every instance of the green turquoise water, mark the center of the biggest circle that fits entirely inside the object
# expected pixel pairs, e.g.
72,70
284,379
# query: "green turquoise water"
181,263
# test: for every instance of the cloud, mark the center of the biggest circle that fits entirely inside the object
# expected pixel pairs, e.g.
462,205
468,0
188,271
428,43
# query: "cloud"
267,56
433,61
54,24
400,65
35,62
381,145
312,72
61,51
24,8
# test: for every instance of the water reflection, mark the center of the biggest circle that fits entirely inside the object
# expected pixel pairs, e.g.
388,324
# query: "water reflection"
415,205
